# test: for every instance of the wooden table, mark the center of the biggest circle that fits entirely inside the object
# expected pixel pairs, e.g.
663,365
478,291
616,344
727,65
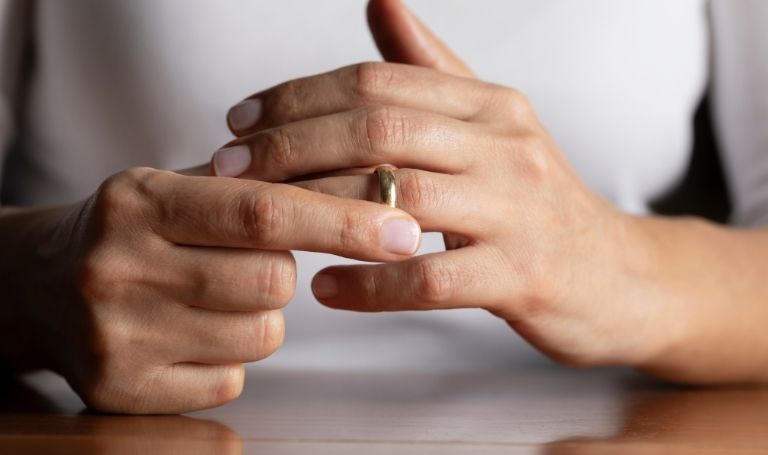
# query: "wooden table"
543,410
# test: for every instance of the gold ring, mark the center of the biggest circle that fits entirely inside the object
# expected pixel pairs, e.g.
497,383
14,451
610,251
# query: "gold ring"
387,190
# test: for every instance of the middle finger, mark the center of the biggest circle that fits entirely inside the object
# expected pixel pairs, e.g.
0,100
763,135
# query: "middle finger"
358,138
219,337
227,279
360,85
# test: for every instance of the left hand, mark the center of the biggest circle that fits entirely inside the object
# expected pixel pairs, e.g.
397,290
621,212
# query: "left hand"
526,239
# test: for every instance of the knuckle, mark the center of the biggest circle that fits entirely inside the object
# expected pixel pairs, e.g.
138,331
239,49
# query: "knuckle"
148,180
283,102
372,80
120,194
261,217
534,157
433,281
230,386
384,128
280,281
515,100
371,287
349,231
513,103
416,190
539,290
280,149
529,154
515,97
272,333
261,334
125,198
98,278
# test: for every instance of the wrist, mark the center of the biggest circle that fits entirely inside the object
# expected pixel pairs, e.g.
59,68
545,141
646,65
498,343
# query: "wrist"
643,292
28,273
690,313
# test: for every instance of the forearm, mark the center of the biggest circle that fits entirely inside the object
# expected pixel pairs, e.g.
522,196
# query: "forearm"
711,286
24,235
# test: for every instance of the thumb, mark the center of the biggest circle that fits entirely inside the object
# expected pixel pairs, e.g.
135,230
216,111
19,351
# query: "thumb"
402,38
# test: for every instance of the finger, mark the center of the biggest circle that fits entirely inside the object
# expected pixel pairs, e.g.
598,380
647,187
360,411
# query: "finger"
439,202
463,278
216,337
365,84
228,279
200,170
358,138
402,37
204,211
366,170
187,387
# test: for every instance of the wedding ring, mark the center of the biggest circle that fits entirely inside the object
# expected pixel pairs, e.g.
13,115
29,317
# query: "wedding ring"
387,191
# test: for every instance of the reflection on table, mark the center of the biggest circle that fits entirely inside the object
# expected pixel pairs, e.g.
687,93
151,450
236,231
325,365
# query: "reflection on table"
542,410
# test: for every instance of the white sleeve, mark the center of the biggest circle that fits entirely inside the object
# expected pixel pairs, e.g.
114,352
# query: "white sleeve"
13,40
740,91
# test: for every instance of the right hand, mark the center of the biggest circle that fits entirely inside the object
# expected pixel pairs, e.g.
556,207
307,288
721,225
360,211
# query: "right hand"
160,286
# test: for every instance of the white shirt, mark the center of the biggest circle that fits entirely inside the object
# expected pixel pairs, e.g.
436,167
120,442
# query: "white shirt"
145,82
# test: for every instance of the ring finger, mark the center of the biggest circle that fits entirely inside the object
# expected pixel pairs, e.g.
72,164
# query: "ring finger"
439,202
199,335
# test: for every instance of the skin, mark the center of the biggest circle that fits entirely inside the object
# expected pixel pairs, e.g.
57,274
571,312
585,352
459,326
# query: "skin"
150,295
682,298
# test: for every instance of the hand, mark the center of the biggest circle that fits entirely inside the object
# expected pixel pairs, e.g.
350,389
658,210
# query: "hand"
150,295
527,240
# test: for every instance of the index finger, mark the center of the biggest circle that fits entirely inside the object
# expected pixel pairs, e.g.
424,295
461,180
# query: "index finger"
364,84
228,212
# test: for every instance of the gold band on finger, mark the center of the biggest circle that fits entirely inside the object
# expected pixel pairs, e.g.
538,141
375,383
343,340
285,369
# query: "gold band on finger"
387,190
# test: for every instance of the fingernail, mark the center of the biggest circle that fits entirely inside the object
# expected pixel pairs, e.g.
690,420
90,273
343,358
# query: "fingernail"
399,236
244,115
325,286
232,161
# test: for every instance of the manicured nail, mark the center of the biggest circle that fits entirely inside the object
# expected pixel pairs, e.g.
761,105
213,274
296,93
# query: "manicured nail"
400,236
324,286
244,115
232,161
